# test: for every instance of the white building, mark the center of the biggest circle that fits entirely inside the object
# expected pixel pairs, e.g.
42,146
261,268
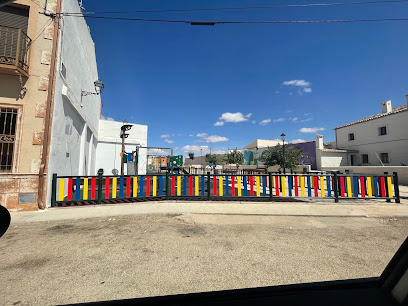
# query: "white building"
75,119
110,146
381,139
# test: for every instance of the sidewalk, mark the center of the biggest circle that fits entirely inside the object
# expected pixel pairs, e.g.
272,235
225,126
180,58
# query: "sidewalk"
323,209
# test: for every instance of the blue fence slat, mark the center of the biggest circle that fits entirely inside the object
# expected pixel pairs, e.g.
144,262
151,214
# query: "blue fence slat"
355,186
141,186
376,186
264,186
185,185
121,187
290,185
160,185
309,187
78,188
328,180
203,185
245,186
226,185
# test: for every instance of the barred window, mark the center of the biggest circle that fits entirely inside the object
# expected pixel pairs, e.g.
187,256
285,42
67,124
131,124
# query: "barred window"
8,120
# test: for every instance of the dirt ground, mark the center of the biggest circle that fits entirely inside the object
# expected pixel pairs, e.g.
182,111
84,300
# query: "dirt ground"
70,261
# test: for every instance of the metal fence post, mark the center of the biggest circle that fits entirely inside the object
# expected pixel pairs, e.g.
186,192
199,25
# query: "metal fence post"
336,188
386,188
54,190
100,188
270,187
167,185
208,187
396,188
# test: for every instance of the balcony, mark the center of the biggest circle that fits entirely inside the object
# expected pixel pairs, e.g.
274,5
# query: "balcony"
14,51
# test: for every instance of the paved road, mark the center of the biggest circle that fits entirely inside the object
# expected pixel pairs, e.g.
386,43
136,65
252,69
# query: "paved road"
67,261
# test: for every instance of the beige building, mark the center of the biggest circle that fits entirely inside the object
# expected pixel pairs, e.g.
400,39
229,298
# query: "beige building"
27,39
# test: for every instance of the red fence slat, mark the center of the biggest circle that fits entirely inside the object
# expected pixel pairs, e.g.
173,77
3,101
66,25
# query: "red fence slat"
93,187
107,188
233,186
251,185
362,186
128,187
342,186
69,197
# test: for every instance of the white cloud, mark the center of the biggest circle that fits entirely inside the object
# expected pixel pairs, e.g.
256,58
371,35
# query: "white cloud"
306,120
253,121
302,84
265,122
311,130
196,149
212,138
173,135
277,91
218,151
298,140
216,138
165,136
279,120
234,117
157,152
107,118
219,123
294,119
308,114
191,135
168,141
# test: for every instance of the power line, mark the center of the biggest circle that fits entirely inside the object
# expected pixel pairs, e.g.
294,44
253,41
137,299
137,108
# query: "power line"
243,8
193,22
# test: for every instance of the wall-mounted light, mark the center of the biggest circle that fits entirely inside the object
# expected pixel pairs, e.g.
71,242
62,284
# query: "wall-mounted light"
98,89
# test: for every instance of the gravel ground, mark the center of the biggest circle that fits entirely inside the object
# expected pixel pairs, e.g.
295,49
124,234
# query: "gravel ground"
56,262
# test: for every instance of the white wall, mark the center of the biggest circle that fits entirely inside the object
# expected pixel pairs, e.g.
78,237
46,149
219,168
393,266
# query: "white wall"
110,146
368,141
333,159
75,121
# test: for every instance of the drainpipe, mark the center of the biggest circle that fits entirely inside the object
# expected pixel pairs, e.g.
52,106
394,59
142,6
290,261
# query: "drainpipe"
48,113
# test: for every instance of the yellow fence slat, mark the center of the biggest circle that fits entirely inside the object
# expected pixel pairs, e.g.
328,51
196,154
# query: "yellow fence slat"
154,186
369,187
302,185
61,190
178,185
220,179
239,185
196,185
114,182
85,195
283,186
322,187
349,194
258,190
135,186
389,182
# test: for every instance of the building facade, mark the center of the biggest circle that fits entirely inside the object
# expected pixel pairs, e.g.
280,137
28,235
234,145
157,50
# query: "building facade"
378,140
27,41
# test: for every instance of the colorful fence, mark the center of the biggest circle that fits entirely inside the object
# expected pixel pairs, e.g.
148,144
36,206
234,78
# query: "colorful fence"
98,189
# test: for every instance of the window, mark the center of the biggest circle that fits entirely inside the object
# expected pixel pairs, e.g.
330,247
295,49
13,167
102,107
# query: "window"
8,120
351,136
352,160
382,130
364,158
384,157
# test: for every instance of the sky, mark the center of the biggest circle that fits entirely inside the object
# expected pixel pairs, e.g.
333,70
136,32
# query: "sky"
223,86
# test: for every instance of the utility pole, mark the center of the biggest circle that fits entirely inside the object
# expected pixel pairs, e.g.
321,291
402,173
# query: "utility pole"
283,152
125,127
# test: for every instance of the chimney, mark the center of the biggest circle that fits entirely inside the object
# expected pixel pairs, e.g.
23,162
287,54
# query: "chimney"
386,107
319,142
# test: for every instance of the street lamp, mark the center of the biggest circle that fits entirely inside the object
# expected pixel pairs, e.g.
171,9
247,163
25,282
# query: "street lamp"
98,89
283,152
201,150
125,127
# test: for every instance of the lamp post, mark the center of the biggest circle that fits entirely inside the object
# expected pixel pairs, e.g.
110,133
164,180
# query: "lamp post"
99,86
283,152
201,150
125,127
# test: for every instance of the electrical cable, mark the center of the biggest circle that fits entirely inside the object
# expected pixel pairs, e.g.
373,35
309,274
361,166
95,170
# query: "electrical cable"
243,8
194,22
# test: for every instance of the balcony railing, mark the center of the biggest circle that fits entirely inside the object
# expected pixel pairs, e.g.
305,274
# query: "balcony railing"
14,50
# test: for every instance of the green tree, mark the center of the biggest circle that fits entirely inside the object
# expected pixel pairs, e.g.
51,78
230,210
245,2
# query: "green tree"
213,159
234,157
191,155
274,156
